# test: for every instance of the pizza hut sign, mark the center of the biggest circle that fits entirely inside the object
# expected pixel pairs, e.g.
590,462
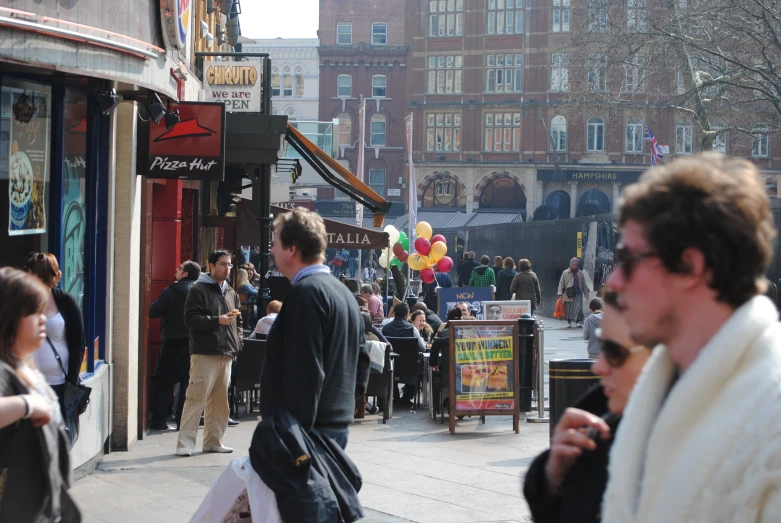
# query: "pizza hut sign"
194,149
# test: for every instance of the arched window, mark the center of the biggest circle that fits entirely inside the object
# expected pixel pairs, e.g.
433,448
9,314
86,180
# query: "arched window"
558,129
444,191
287,82
379,86
345,129
299,81
595,135
633,141
377,130
503,193
344,85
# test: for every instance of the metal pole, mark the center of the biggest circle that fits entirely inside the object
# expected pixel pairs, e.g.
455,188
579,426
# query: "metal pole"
540,417
261,196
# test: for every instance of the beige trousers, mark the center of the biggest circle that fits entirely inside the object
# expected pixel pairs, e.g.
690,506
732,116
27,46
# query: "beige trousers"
207,392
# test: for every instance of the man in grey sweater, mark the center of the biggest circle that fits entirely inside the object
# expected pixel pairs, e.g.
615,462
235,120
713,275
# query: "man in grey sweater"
591,325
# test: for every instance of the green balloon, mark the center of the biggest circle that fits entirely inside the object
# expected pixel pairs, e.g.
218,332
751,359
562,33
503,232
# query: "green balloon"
404,240
396,262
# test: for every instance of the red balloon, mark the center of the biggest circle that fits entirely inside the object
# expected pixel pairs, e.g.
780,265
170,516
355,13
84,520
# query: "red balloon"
423,246
403,256
427,274
445,264
398,248
438,238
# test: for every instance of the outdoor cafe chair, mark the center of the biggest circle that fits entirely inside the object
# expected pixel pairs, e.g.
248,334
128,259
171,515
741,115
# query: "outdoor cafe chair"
406,367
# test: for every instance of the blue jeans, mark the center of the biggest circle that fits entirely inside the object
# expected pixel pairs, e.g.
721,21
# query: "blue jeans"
338,435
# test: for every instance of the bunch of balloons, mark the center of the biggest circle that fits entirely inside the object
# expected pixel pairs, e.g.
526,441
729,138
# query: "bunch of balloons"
431,251
398,254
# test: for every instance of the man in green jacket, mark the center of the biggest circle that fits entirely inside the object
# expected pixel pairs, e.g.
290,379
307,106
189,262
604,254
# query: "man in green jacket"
483,276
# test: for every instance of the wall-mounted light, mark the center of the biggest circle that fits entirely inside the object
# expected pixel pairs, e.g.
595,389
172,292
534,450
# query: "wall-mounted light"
209,40
204,29
107,99
155,108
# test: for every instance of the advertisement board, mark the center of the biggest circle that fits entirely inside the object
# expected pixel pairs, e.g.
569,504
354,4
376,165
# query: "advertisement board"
235,83
506,310
194,149
474,296
483,373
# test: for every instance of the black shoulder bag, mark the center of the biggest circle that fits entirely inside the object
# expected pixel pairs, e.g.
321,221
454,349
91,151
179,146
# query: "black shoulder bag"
570,290
76,399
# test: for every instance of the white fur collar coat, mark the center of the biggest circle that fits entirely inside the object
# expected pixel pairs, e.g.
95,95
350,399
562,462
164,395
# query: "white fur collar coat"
711,450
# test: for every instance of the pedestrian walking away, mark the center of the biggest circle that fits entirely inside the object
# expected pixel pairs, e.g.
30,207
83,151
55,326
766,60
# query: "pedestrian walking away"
482,276
526,285
211,312
573,286
697,239
173,363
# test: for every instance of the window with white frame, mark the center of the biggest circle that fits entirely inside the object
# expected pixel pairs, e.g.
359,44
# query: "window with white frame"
759,142
595,135
633,142
680,84
377,181
379,33
377,130
635,74
558,130
597,71
597,16
503,132
287,84
446,17
559,73
504,17
275,85
683,138
635,16
298,81
345,129
443,132
720,140
344,85
504,73
379,84
445,74
344,33
560,16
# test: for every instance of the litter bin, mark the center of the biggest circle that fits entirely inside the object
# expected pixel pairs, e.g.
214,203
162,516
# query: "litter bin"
525,362
569,381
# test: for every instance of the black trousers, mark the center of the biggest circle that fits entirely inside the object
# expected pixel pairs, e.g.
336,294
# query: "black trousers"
173,366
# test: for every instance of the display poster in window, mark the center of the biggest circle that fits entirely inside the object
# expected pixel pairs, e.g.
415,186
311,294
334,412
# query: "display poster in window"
484,375
234,83
28,158
506,310
472,296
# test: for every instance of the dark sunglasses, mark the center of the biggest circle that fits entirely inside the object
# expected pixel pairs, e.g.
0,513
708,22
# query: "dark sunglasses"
627,259
616,354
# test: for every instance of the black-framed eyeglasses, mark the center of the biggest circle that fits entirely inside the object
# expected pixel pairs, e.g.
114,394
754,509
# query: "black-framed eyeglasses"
616,354
627,260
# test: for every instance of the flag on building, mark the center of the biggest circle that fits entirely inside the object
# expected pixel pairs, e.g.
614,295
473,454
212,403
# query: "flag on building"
413,184
656,148
361,145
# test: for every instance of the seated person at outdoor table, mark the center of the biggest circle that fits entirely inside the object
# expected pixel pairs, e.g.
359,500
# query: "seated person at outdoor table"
375,303
567,482
442,339
418,319
265,323
431,318
400,327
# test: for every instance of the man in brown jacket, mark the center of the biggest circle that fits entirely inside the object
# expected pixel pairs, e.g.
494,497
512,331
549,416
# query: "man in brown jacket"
211,312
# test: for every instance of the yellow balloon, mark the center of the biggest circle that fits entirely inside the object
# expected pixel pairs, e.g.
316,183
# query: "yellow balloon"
417,262
423,230
438,251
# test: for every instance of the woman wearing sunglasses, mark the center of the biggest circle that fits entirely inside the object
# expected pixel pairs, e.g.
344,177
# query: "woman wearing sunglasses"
566,482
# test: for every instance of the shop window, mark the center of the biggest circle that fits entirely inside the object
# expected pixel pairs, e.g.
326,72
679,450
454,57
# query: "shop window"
503,193
444,191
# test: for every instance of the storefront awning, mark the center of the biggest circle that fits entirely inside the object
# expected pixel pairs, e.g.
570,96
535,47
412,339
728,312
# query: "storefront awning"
340,235
338,176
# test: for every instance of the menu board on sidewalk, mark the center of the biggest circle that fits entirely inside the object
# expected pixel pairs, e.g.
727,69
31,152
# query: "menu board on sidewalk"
483,372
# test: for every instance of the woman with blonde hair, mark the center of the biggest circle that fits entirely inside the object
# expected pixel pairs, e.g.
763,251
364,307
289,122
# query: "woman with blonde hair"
34,461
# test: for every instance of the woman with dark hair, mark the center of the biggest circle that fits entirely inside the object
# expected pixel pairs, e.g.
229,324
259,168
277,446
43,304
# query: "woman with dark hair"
59,360
525,285
504,279
418,319
34,461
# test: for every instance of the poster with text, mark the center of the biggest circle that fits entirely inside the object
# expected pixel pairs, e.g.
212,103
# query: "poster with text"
28,158
484,366
472,296
506,310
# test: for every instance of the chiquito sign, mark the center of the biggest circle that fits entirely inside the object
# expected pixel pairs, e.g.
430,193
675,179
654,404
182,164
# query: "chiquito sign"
235,84
193,149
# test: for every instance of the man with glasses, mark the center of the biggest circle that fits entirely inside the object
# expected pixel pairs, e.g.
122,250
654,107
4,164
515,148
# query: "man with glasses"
700,440
173,363
211,312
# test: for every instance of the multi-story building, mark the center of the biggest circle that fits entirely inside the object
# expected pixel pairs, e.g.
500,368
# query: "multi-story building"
295,72
363,49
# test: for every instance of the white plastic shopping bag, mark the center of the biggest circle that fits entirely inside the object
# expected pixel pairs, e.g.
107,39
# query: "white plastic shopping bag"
238,496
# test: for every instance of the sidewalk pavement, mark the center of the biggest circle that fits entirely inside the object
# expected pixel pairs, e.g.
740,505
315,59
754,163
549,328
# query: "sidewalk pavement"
412,468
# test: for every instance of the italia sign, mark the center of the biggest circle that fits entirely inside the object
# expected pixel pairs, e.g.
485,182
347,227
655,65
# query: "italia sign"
234,83
175,16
